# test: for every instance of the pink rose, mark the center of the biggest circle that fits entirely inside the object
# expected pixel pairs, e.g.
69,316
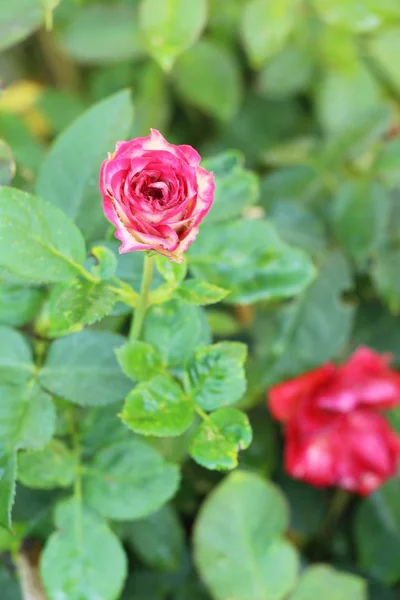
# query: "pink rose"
156,195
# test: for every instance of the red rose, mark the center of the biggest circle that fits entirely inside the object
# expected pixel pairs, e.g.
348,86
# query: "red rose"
335,434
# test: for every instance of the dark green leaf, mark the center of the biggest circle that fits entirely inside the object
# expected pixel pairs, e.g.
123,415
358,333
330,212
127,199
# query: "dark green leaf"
158,407
69,173
46,245
159,539
50,468
377,531
16,364
217,441
171,26
216,376
139,360
83,559
18,303
7,487
385,273
83,369
238,546
129,480
360,217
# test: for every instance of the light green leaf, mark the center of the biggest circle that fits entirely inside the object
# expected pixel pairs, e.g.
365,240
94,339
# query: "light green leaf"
159,539
322,581
173,273
16,364
196,291
139,360
77,303
18,303
377,533
360,216
7,487
102,33
52,467
152,102
248,258
46,245
107,262
237,541
217,378
215,91
7,163
27,417
83,559
171,26
383,48
266,25
18,19
356,16
236,188
69,174
158,407
83,369
216,442
175,328
129,480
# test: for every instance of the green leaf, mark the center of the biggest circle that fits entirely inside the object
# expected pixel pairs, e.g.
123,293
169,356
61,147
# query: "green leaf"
385,274
360,216
83,559
69,174
216,376
236,188
7,487
16,364
266,25
216,442
158,407
159,539
27,149
27,417
215,91
287,73
298,225
107,262
311,330
171,26
52,467
248,258
356,16
83,369
37,240
175,329
196,291
18,303
387,164
383,48
129,480
139,360
7,164
322,581
18,19
77,303
102,33
377,533
152,101
10,586
238,546
173,273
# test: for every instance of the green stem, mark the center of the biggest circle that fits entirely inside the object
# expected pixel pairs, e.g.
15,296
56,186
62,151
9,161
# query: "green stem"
338,505
140,312
202,413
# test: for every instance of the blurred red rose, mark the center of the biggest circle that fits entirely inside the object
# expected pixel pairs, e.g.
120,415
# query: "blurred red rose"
335,434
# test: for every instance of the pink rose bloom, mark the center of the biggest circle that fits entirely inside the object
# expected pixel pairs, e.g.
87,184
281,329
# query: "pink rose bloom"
156,195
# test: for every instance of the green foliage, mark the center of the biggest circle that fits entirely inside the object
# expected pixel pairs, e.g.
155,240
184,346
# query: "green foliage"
52,467
323,581
89,543
18,20
239,548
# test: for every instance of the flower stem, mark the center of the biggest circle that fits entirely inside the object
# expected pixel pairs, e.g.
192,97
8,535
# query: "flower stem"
337,507
140,312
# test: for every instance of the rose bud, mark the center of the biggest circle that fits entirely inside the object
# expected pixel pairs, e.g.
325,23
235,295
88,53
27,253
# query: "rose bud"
334,432
156,195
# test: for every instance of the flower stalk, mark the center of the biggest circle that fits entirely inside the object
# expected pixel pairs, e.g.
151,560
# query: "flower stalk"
140,312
